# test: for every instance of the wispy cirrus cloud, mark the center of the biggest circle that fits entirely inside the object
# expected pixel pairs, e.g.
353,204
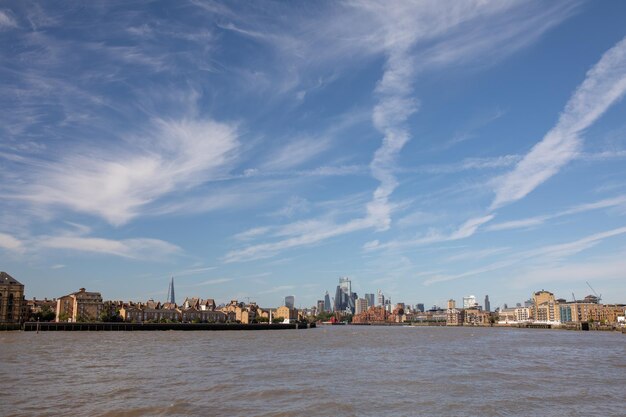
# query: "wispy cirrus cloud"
401,34
545,254
465,230
10,242
604,85
118,184
619,201
6,20
296,152
142,248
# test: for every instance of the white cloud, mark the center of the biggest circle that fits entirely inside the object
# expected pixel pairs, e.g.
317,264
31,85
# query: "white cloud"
401,32
468,228
9,242
296,153
619,201
471,164
464,231
118,184
141,248
548,253
6,20
604,84
519,224
252,233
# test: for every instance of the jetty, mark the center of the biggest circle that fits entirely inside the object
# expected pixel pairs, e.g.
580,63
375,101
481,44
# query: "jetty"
124,326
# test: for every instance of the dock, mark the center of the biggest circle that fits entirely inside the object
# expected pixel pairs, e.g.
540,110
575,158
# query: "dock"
123,327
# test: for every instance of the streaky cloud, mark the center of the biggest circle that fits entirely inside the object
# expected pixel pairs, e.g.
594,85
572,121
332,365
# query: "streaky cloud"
603,86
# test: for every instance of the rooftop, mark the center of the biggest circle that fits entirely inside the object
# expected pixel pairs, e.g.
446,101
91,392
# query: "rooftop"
8,279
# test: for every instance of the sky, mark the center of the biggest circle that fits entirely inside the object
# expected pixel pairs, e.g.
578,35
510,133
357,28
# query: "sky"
254,150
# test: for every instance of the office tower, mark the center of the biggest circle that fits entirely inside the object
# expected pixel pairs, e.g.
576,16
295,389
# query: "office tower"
290,301
327,305
344,297
371,299
451,304
320,306
171,298
361,305
420,307
487,304
469,301
381,299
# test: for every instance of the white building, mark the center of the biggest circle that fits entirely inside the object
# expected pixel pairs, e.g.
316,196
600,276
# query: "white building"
361,305
469,301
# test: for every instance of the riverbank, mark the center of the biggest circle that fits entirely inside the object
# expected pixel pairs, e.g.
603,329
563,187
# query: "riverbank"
101,326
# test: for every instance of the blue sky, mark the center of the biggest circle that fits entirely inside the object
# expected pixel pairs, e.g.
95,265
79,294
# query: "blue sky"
259,149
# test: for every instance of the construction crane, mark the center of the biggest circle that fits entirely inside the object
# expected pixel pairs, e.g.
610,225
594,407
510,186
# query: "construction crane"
573,297
599,297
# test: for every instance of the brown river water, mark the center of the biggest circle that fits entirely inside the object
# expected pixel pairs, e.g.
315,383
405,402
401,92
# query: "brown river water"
328,371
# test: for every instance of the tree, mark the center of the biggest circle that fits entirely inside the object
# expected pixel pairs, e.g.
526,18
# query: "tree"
278,320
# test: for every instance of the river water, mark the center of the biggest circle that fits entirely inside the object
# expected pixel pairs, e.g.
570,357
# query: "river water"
328,371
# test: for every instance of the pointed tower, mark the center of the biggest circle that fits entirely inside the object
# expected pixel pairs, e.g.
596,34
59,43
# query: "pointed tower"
171,297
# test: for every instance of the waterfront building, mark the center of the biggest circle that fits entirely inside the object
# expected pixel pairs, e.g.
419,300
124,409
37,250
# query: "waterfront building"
544,307
290,301
79,306
469,301
37,307
487,304
454,316
476,317
12,304
286,313
507,315
155,312
577,312
522,314
451,304
379,315
362,304
199,303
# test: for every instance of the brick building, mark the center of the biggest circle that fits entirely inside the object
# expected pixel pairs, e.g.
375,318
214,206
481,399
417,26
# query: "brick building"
79,306
12,304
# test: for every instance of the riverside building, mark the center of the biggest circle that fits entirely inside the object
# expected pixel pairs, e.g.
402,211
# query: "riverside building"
11,299
79,306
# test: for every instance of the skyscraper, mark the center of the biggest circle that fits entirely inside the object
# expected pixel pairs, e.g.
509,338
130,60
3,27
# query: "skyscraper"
290,301
344,297
371,299
381,299
487,304
469,301
327,305
171,298
420,307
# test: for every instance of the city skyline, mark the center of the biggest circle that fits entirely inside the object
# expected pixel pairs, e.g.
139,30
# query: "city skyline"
265,150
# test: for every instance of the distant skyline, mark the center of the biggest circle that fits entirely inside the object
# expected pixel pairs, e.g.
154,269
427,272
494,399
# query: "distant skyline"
432,150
